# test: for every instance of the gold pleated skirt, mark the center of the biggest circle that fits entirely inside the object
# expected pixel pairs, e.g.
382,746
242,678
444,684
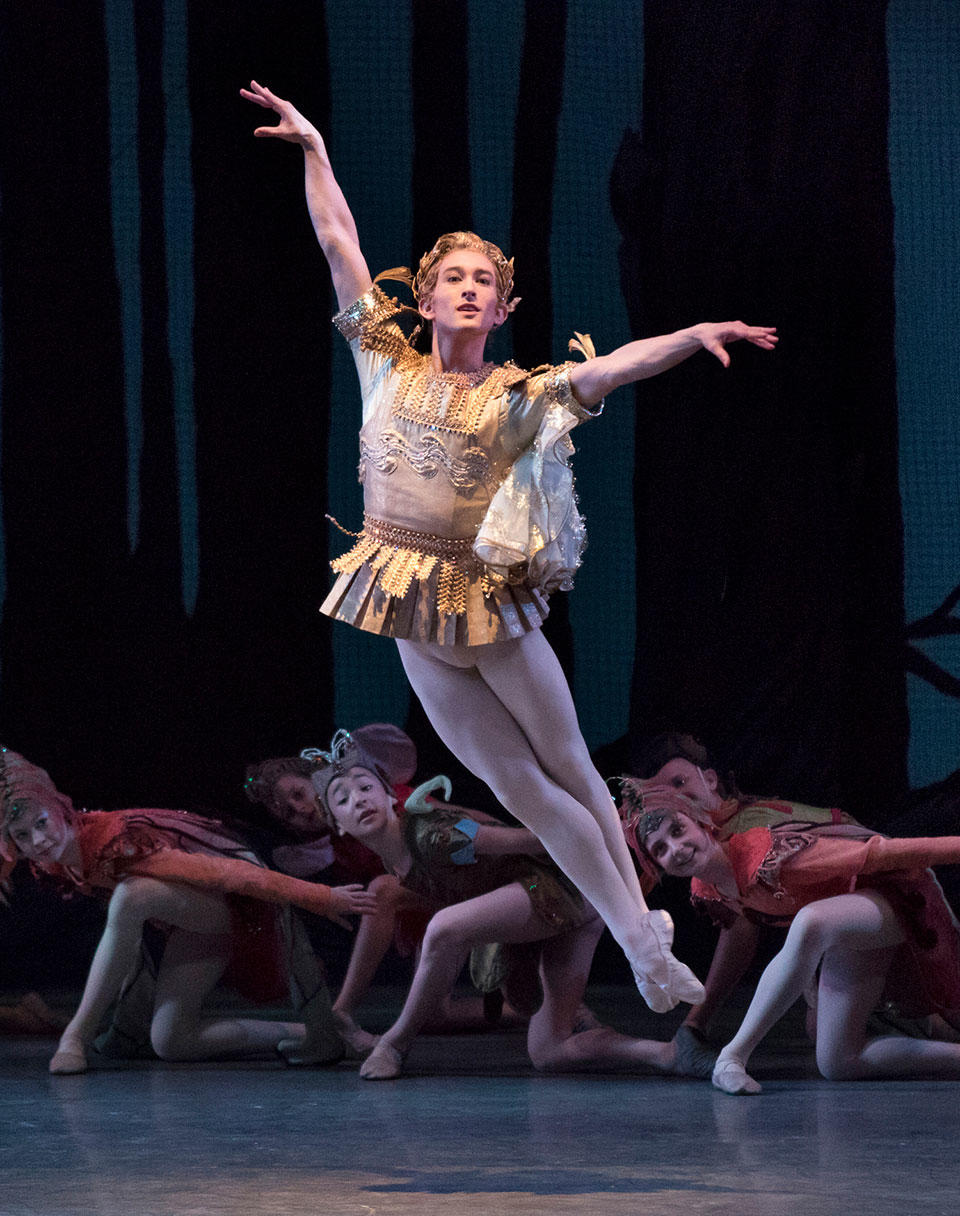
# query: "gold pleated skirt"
485,615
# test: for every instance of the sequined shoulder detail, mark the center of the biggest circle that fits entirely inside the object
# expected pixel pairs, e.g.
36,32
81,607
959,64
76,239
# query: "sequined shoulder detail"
559,391
450,401
373,307
370,320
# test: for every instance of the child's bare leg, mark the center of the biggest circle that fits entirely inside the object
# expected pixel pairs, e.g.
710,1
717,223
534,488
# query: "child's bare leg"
504,915
851,983
192,963
475,722
862,920
551,1041
134,901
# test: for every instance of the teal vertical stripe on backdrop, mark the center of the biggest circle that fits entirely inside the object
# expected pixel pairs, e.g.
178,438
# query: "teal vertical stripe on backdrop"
371,149
125,217
495,32
178,230
924,54
601,97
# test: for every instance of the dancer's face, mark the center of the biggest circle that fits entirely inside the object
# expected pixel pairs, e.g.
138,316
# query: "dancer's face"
295,803
359,802
465,295
698,784
41,834
680,846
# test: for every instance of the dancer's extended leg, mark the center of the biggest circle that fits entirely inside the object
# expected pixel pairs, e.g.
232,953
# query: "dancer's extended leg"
475,722
503,915
191,965
549,721
189,910
844,926
551,1041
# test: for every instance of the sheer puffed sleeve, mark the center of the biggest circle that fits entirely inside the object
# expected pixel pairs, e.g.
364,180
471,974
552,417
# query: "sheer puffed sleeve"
532,530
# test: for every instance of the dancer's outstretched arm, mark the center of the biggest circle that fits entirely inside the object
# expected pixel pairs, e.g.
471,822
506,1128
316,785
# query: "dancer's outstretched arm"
648,357
331,217
736,947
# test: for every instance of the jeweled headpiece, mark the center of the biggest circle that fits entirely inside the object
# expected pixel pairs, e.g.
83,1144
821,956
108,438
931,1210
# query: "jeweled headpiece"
424,281
644,806
20,784
383,749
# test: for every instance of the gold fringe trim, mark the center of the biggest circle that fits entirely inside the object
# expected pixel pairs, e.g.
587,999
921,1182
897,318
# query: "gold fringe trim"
397,568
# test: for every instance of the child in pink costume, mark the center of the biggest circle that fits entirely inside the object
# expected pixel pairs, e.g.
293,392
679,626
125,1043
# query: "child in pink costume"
864,915
470,522
195,878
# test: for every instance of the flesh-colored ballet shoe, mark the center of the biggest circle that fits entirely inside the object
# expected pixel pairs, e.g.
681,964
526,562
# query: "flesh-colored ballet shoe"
361,1042
730,1076
384,1063
662,980
69,1060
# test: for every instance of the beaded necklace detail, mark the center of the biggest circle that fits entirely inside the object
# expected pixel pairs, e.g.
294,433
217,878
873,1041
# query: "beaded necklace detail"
450,401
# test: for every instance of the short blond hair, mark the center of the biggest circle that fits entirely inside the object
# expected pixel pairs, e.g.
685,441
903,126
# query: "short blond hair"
425,279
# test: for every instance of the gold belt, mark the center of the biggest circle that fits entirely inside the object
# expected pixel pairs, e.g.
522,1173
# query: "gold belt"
451,549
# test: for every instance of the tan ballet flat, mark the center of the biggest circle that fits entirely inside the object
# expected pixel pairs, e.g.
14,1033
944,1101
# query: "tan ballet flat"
67,1062
384,1063
730,1076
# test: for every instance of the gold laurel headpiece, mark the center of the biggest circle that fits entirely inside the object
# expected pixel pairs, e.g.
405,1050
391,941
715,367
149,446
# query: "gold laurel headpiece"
423,282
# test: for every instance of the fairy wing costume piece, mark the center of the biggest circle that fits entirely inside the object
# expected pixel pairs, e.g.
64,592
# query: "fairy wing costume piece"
781,869
470,518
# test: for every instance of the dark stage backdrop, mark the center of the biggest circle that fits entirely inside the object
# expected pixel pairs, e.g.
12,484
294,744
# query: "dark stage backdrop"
177,418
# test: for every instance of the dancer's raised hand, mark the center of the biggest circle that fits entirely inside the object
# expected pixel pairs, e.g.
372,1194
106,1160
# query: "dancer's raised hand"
292,127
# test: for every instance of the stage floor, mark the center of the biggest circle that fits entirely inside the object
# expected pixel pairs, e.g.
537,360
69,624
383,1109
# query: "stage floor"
471,1129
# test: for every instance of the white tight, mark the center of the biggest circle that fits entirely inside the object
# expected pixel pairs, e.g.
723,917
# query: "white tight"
852,939
506,712
195,955
507,915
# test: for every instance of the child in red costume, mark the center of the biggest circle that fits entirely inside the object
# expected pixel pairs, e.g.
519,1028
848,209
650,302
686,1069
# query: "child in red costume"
862,910
197,880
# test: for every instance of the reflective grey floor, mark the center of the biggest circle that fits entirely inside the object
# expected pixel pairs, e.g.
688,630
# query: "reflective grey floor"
471,1129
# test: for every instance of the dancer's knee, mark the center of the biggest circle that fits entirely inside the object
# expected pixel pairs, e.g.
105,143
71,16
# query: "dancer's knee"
810,930
836,1063
134,900
444,935
172,1038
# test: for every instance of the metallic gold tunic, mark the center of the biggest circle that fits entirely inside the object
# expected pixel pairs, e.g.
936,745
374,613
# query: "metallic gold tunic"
469,514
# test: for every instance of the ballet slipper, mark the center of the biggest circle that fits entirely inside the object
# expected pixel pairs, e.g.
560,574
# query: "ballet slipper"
319,1051
70,1058
360,1041
694,1055
730,1076
384,1063
663,981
